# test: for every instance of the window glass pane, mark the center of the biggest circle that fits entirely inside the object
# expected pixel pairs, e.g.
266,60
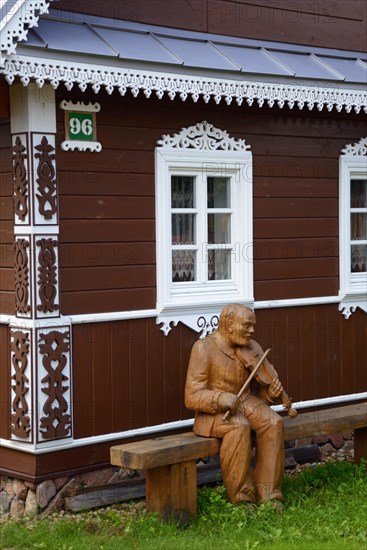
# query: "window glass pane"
358,194
183,265
359,258
182,192
219,228
183,228
219,265
218,192
358,227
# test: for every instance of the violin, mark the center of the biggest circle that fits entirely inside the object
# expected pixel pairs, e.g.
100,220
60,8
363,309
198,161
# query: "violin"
265,372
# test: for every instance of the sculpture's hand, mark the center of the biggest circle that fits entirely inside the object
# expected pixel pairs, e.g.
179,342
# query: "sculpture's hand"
228,401
275,389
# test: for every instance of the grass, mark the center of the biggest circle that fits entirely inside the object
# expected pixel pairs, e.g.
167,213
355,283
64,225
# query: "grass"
326,508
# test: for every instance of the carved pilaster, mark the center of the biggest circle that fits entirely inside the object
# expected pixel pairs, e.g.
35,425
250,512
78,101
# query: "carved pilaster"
40,352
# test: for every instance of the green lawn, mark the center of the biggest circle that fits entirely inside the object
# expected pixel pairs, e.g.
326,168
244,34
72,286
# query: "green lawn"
326,508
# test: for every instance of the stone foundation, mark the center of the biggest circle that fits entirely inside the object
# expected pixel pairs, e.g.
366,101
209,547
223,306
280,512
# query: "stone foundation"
22,498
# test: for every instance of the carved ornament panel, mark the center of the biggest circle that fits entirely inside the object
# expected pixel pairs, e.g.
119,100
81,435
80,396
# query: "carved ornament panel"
20,180
54,384
22,277
45,179
47,284
20,421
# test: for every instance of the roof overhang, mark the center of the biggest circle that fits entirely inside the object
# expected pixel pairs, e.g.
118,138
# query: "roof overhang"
100,60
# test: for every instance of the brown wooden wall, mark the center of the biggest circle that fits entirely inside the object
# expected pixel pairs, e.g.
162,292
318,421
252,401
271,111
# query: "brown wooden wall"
107,225
127,374
7,301
331,24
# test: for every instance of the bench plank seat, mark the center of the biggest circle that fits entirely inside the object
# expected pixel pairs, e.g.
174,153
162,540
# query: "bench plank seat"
170,461
160,451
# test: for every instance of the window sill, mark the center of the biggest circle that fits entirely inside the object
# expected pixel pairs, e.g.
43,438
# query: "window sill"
200,316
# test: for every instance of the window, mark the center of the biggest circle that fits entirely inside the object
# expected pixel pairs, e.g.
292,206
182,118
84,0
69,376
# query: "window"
353,227
203,222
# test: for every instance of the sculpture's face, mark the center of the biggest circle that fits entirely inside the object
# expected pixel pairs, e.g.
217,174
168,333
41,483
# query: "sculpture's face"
241,330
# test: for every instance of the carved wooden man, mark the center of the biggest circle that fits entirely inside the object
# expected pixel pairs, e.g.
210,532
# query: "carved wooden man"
216,373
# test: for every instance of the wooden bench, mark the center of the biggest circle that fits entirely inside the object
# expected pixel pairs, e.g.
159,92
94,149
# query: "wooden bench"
170,461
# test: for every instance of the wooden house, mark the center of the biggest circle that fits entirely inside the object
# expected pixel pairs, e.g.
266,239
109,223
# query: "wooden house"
160,159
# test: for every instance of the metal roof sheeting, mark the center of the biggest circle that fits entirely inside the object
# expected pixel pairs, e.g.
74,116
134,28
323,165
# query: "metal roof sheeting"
70,32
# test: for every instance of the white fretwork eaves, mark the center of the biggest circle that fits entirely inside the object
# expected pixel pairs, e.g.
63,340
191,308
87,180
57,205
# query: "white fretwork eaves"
149,81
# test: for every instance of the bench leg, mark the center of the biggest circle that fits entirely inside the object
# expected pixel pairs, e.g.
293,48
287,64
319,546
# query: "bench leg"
172,491
360,444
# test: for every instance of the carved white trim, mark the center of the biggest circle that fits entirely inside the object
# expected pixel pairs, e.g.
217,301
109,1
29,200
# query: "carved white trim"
76,145
204,323
349,304
203,136
201,318
358,149
150,81
80,106
23,15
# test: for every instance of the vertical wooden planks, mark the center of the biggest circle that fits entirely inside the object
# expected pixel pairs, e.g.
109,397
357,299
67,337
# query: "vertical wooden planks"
333,343
5,382
83,402
101,373
155,372
138,373
120,376
187,339
293,381
348,355
360,327
172,375
322,358
308,370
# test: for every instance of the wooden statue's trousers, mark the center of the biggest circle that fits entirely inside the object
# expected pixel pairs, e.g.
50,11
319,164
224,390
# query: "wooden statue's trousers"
264,483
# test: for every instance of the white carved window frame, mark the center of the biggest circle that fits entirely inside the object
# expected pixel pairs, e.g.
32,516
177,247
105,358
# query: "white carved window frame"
198,149
353,286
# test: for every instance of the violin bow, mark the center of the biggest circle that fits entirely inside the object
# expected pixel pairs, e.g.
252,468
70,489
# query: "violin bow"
256,368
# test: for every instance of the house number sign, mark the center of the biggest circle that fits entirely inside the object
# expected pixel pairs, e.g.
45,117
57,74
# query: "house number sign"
80,126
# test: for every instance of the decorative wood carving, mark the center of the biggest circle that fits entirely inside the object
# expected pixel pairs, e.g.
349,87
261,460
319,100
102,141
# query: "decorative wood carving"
20,421
207,325
21,276
20,180
204,323
203,136
46,179
358,149
271,94
56,422
20,18
47,280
